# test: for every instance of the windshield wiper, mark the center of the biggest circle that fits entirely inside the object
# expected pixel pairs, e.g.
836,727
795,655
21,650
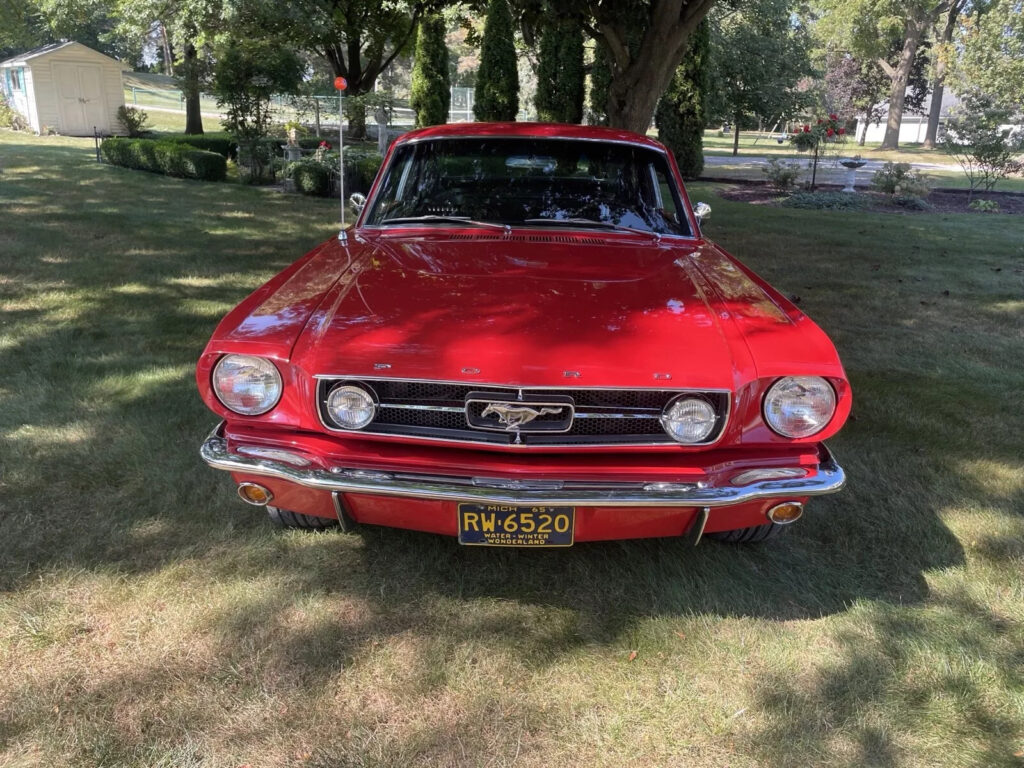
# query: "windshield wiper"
595,223
440,219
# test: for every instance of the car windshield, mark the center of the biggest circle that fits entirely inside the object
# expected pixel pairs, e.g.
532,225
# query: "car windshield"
530,182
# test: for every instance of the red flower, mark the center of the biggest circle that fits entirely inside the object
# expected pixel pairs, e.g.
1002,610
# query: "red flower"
820,121
325,145
807,129
842,131
829,131
833,117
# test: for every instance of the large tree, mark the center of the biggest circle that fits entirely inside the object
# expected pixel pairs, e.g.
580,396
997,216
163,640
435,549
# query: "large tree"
642,42
940,66
759,55
868,29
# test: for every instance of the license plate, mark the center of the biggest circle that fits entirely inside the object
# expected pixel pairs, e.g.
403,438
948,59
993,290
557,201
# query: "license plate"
499,525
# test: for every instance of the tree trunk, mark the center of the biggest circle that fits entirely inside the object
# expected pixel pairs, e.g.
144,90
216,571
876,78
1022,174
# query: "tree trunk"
736,135
168,56
190,87
356,114
639,80
901,75
939,84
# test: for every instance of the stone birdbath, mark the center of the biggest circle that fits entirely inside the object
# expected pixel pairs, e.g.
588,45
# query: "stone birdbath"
851,164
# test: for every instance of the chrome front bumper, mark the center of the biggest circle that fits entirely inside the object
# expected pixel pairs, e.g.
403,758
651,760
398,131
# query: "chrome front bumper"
828,478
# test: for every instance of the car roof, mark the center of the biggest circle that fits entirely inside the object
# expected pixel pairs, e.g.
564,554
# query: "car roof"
536,130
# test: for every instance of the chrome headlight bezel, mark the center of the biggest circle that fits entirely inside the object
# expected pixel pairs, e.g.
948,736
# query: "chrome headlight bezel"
263,373
694,407
816,413
351,389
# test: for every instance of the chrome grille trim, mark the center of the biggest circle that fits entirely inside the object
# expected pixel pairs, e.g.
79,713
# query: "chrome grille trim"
452,426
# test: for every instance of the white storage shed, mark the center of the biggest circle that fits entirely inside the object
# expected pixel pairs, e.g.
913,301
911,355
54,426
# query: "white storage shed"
66,87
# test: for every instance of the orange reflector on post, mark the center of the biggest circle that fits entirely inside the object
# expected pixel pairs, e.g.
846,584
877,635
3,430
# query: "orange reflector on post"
786,512
254,494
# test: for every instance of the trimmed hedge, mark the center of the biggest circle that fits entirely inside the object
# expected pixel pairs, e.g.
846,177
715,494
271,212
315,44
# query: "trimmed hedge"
221,143
167,157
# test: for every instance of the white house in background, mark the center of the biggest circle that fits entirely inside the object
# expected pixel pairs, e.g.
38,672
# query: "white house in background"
913,127
66,87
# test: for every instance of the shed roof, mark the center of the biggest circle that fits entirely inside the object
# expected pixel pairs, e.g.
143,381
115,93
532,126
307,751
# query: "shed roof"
46,50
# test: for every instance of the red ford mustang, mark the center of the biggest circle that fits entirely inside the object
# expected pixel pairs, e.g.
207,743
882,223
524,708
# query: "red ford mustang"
525,340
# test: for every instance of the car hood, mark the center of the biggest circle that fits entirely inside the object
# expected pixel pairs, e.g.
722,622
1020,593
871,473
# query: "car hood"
531,311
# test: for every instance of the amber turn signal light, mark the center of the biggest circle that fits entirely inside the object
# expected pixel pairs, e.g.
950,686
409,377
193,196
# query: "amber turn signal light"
254,494
786,512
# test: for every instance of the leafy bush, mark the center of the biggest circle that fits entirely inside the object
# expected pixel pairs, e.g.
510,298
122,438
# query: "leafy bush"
165,157
221,143
911,202
901,180
825,201
985,206
10,117
781,175
986,151
133,120
311,178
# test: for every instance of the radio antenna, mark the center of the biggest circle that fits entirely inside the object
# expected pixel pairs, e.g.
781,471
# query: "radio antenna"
340,84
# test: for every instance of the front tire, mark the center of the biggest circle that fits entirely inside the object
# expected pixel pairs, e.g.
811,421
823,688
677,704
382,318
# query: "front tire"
284,518
753,535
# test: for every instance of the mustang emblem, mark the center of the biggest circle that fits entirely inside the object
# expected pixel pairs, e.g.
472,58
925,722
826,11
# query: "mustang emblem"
516,415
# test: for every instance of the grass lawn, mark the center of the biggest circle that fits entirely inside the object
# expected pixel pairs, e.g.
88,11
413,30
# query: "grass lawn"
758,145
149,618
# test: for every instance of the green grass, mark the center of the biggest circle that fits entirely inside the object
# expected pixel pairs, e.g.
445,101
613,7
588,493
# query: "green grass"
148,618
757,145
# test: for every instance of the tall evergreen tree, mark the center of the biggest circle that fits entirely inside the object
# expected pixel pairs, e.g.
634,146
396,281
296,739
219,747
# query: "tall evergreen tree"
680,115
560,74
600,80
497,80
430,94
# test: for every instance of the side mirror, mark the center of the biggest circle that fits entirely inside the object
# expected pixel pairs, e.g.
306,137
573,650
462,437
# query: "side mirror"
358,201
702,211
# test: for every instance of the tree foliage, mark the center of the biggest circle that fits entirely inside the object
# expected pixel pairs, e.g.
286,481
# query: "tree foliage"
990,63
430,94
981,140
680,115
759,56
497,80
560,74
247,74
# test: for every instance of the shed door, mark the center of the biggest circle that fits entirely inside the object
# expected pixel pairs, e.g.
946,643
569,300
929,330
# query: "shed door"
80,101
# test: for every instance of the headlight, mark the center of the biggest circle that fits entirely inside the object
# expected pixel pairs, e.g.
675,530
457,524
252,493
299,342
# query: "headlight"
799,406
247,385
689,419
351,407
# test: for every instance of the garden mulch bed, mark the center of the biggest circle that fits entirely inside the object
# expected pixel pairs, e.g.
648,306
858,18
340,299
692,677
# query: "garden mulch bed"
941,200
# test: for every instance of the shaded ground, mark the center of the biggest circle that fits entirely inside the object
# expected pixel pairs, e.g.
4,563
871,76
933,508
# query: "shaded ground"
148,618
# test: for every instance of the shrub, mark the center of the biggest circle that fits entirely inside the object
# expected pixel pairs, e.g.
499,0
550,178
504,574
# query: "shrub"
901,180
680,115
985,206
986,150
430,93
311,177
165,157
497,78
781,175
824,201
133,120
911,202
221,143
10,117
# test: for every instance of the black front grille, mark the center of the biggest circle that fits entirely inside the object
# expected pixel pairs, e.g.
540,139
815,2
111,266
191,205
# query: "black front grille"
438,410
